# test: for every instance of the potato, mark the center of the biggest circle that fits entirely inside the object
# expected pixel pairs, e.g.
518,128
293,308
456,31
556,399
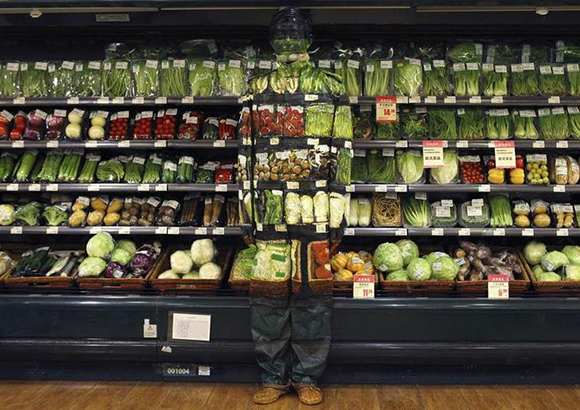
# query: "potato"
115,206
95,217
77,218
112,218
542,221
98,204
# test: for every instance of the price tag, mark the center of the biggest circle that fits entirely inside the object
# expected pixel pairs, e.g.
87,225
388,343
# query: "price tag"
414,100
91,144
219,231
363,287
160,144
124,230
173,230
52,230
200,231
381,188
187,100
484,188
138,100
349,232
12,187
18,144
34,187
498,286
16,230
527,232
93,187
221,188
562,144
462,144
386,110
499,232
497,100
431,100
161,187
449,100
118,100
559,188
538,144
51,144
402,144
402,99
149,330
562,232
52,187
162,230
464,232
103,100
353,100
219,144
95,229
475,100
72,100
350,188
401,232
292,185
400,188
321,228
124,144
161,100
437,232
143,187
505,154
433,154
554,100
19,101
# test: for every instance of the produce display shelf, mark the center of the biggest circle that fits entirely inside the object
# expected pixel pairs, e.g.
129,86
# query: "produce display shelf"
121,230
120,101
467,144
463,188
132,144
517,232
477,101
118,187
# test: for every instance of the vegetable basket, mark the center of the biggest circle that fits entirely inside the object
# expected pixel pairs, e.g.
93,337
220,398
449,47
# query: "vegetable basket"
238,284
223,259
115,284
318,286
278,289
344,287
36,282
414,288
517,287
555,288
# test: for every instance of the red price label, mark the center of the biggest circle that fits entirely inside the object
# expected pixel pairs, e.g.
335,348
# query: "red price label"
505,154
498,286
433,154
386,109
363,287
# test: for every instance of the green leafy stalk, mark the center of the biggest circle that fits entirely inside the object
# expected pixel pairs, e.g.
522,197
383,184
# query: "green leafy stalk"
471,123
436,81
524,80
554,124
202,77
377,77
231,77
344,166
343,122
145,74
173,82
88,79
61,77
573,73
34,79
117,79
498,126
89,169
349,71
382,169
387,131
574,124
495,83
360,172
552,80
410,166
501,213
524,125
414,126
442,124
10,79
273,208
408,77
318,120
416,212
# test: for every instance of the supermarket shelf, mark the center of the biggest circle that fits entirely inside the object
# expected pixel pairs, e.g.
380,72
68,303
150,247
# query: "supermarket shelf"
120,230
119,102
466,144
477,101
517,232
465,188
133,144
106,187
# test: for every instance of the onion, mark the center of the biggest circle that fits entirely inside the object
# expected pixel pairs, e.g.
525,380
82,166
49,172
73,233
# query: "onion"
98,121
96,132
74,118
73,131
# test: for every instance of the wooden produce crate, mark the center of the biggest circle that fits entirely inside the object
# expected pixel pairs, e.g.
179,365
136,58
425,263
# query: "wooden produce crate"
36,282
223,259
560,288
517,287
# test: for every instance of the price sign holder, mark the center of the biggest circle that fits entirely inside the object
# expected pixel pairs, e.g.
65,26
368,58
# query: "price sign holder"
498,286
505,154
363,287
433,154
386,108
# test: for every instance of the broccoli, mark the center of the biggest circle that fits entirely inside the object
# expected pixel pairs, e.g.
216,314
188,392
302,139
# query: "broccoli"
54,216
28,213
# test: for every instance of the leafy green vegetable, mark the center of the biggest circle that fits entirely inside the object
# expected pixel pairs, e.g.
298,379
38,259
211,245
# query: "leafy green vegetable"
88,79
466,53
419,269
89,169
145,73
409,250
343,167
381,168
534,251
10,79
408,77
574,117
388,258
351,74
410,166
414,125
554,260
134,170
416,212
471,123
498,124
474,216
436,81
552,80
442,124
202,77
50,167
449,173
466,79
572,252
573,74
525,124
343,122
553,123
28,213
172,78
495,80
117,79
400,275
110,171
377,77
61,77
524,80
387,131
359,172
34,79
318,120
231,78
55,215
443,216
501,213
273,208
444,268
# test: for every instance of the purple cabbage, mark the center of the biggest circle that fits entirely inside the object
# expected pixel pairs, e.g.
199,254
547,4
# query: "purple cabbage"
115,270
148,250
141,263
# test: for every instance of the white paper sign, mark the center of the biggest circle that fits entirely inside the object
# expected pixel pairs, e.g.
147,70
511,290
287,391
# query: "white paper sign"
191,327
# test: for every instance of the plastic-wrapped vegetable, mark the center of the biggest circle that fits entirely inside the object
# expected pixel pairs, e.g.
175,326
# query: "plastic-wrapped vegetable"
319,120
525,124
553,123
466,59
134,169
436,79
498,124
378,77
351,74
443,214
410,166
231,77
474,214
471,123
173,78
110,171
202,77
343,167
414,124
387,131
61,77
145,74
552,80
10,79
117,79
408,77
442,124
88,79
89,168
24,166
382,168
449,173
360,172
574,117
343,122
34,79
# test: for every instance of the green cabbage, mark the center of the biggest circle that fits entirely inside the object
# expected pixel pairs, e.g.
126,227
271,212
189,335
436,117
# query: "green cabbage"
534,251
548,277
388,258
435,255
398,276
419,269
572,253
554,260
121,256
409,166
444,268
572,272
448,173
91,267
409,250
127,245
101,245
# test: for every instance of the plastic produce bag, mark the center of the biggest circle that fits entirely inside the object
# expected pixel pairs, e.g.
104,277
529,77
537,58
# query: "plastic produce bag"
414,124
173,78
498,124
231,76
408,77
10,79
471,123
382,168
442,124
146,77
202,77
61,77
117,79
553,123
34,79
524,122
88,79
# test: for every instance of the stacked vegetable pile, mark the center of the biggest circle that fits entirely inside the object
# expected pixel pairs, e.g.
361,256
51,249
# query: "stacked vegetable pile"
478,261
196,263
47,263
554,265
401,262
122,260
345,265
